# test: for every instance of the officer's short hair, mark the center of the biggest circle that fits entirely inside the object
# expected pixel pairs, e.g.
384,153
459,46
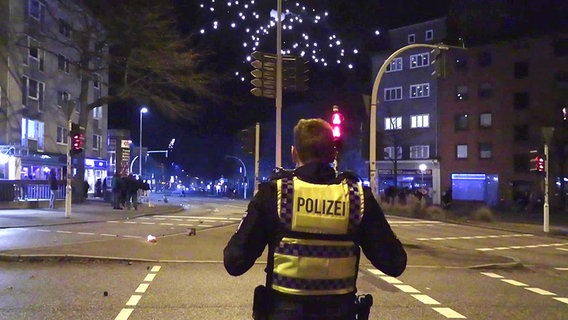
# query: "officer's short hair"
313,140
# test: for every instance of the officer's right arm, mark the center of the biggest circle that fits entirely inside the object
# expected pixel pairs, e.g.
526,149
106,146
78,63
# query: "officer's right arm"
252,235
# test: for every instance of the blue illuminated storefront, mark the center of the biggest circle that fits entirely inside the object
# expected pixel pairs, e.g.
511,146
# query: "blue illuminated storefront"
476,187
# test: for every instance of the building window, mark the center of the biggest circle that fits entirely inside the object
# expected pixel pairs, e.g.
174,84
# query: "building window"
461,93
63,99
420,121
521,133
393,123
33,48
32,89
62,63
392,94
65,28
411,38
461,151
395,65
521,69
419,90
485,150
429,35
36,9
389,153
460,63
420,60
485,90
420,152
462,122
486,120
61,135
521,100
96,81
97,141
32,130
98,113
484,59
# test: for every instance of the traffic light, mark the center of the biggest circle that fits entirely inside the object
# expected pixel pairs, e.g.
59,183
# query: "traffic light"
536,162
337,127
246,138
77,139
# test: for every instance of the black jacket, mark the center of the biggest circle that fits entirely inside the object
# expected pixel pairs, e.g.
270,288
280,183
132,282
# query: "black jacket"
259,227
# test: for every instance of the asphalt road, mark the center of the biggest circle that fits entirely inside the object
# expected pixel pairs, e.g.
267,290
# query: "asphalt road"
455,271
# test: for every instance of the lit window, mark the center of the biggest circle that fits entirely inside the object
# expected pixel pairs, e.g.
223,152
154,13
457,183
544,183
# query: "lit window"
97,141
420,60
392,94
419,90
98,112
395,65
461,151
420,121
485,120
390,154
393,123
420,152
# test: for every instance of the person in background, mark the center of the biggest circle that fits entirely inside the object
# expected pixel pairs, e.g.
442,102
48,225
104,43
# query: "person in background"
52,188
132,186
116,185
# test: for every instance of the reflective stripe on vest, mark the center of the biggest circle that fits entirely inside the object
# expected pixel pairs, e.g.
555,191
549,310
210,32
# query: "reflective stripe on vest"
317,267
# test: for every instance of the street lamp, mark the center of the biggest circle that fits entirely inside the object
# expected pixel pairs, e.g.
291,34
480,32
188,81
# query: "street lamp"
422,168
142,111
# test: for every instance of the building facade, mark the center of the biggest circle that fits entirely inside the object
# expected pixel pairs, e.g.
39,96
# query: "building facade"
471,117
407,112
40,87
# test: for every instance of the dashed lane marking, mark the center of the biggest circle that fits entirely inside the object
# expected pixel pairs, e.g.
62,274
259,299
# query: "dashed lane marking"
525,286
132,302
416,294
543,245
476,237
561,269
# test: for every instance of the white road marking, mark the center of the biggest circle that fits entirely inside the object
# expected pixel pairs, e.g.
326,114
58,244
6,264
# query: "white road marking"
541,291
142,288
125,313
527,246
449,313
475,237
515,283
526,286
425,299
63,231
134,299
416,294
86,233
561,269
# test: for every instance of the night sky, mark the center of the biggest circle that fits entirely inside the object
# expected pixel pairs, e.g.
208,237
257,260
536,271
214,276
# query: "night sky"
201,145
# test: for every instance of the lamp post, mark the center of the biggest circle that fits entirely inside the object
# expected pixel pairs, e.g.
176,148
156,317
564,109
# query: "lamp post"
142,111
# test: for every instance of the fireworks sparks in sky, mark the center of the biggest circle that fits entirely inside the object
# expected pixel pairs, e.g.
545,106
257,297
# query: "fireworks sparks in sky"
252,25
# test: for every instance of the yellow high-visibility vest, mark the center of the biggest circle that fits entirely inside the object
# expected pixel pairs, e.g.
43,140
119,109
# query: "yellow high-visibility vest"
310,260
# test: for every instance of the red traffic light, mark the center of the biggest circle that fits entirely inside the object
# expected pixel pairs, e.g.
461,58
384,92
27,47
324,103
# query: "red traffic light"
336,122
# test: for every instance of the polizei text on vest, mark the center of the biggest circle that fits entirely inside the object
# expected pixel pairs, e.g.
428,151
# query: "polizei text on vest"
321,206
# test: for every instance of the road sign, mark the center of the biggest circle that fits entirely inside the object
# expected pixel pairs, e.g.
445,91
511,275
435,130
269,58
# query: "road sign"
263,74
264,83
261,92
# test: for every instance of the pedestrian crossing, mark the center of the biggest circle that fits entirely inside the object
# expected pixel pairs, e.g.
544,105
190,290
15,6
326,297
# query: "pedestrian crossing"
180,221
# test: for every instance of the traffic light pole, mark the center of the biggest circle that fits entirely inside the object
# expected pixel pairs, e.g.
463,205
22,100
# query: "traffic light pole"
546,207
68,188
278,156
256,157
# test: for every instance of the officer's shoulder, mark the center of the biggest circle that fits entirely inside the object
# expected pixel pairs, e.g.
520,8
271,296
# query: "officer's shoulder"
280,173
349,175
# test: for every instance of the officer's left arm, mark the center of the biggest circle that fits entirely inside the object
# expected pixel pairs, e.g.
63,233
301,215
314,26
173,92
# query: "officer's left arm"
252,236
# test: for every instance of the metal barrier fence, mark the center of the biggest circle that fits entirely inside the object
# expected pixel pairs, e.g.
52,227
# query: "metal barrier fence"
22,190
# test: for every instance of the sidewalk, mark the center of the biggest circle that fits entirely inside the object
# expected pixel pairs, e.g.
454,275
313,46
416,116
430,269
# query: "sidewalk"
92,210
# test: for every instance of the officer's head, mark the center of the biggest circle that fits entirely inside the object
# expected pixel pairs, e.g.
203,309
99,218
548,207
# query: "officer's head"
313,142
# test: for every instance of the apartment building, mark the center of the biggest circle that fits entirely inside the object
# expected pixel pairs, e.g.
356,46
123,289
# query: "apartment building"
469,121
495,100
407,112
40,85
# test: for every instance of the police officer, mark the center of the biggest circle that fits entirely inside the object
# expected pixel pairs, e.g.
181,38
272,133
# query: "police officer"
314,223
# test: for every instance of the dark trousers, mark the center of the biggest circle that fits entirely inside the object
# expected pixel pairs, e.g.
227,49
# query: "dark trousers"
116,199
